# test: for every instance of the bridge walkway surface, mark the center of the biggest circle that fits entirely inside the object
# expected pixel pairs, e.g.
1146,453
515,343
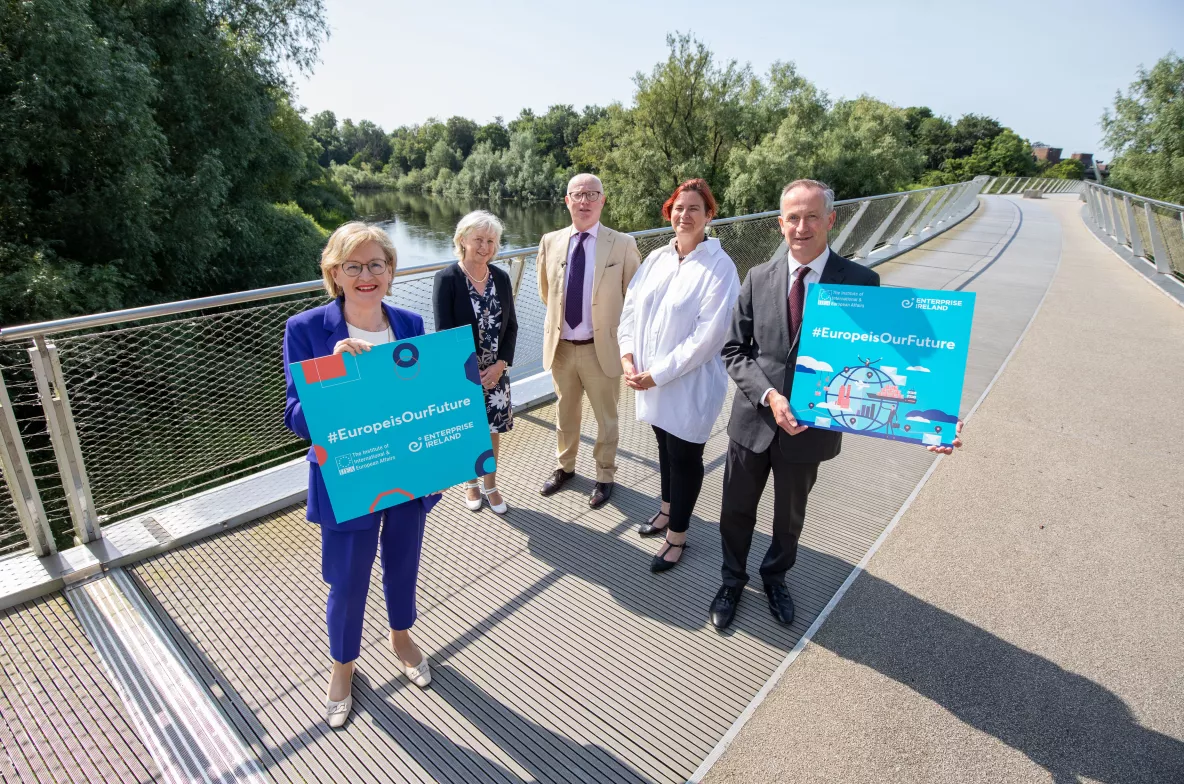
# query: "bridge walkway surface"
1025,619
558,656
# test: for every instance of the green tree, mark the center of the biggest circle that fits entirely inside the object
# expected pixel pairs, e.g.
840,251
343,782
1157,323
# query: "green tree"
1146,132
461,135
969,131
1068,169
151,152
494,134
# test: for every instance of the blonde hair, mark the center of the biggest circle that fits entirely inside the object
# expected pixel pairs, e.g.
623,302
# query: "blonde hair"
345,241
477,219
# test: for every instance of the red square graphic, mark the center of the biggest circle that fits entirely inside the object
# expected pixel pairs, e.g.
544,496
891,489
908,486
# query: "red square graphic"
323,368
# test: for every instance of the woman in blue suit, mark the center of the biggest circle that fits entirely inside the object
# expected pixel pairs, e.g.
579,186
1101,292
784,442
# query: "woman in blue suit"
358,265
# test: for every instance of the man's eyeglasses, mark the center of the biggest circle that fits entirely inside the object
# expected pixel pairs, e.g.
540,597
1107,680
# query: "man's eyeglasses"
354,268
588,196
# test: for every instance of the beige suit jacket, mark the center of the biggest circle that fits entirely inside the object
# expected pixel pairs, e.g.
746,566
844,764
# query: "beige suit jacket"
617,259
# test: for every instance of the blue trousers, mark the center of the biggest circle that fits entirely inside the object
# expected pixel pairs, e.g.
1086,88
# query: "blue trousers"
347,558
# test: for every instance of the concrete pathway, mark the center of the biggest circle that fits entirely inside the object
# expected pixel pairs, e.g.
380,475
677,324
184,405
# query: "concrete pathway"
1025,619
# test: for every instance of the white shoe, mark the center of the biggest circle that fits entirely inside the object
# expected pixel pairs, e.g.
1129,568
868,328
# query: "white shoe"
474,506
498,508
337,711
420,674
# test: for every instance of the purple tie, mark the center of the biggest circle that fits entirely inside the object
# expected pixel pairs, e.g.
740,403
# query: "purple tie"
573,309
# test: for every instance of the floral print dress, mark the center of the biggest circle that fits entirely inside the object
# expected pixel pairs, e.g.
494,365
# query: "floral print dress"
488,311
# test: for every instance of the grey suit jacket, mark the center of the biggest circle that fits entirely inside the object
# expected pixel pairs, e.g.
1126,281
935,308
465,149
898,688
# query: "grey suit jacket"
760,353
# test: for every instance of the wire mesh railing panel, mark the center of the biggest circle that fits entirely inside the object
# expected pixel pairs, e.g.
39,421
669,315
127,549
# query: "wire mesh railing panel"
170,407
911,202
12,537
1141,226
1172,232
750,243
871,219
34,432
843,215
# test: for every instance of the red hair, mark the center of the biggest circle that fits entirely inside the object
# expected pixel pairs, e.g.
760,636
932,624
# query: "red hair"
699,186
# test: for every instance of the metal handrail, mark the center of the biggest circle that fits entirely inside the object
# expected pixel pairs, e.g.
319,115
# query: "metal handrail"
1148,199
1113,212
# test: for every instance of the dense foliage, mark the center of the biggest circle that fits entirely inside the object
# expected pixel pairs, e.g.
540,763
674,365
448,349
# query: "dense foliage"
747,134
1146,132
151,152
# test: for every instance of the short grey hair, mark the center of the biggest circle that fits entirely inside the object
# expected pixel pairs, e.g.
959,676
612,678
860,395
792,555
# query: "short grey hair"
477,219
828,195
582,175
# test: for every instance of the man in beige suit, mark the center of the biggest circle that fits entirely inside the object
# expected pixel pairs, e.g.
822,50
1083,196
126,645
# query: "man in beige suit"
583,272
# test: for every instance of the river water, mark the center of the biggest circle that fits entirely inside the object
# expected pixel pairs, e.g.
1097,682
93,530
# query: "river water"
422,226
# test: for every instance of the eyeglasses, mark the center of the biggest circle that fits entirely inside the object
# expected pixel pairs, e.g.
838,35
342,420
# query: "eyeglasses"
588,196
354,268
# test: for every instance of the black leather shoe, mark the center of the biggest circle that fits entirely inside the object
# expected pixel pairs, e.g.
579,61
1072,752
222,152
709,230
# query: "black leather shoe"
723,606
556,481
600,494
648,529
660,564
780,602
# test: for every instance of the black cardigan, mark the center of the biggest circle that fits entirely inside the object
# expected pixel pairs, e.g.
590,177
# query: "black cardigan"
453,308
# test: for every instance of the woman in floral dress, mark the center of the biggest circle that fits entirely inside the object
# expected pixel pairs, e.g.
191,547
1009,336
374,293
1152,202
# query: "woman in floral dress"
479,294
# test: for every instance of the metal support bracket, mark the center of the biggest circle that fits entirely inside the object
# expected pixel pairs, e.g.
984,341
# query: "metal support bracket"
54,400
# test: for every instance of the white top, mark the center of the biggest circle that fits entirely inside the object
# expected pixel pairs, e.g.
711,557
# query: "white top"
674,323
813,273
583,330
374,338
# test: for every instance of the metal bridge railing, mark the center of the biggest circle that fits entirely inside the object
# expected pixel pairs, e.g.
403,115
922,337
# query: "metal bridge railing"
109,415
1152,229
1005,185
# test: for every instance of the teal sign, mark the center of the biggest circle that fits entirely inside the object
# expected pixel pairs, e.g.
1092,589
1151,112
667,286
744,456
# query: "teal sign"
884,362
398,422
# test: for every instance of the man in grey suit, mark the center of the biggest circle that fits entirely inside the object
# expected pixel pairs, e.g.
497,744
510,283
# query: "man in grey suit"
760,356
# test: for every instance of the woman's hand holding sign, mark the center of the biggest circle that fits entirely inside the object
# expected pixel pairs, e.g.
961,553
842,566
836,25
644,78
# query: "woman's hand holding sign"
352,346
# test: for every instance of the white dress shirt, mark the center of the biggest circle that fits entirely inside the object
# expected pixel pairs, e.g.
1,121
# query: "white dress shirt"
675,322
583,330
813,273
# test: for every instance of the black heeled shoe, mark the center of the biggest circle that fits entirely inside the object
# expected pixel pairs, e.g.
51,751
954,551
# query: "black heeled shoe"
648,529
660,564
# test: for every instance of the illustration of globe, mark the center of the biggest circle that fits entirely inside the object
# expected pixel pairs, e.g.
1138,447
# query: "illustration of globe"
867,389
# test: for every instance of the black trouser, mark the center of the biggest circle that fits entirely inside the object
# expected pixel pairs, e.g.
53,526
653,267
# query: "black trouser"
744,480
681,465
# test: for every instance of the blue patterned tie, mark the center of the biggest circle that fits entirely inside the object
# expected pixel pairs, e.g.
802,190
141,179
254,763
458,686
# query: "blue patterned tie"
573,308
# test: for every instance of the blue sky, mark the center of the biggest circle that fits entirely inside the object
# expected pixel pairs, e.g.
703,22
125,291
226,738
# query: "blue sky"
1045,69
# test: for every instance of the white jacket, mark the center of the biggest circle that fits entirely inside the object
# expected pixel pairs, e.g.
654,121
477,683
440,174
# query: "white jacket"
674,323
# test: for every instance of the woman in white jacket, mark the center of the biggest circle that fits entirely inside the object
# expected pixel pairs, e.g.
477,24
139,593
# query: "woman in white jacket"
674,323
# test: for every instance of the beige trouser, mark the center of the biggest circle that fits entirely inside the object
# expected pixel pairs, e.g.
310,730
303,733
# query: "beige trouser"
577,371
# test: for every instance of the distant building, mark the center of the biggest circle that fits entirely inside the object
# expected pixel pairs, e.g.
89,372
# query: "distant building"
1045,153
1086,158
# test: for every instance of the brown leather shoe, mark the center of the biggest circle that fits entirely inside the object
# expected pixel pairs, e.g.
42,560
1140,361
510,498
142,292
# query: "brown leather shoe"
555,481
600,494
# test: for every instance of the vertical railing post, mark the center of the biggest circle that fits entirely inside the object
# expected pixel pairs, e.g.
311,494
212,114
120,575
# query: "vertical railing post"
913,217
850,227
870,245
21,484
1136,238
1107,211
62,432
1158,248
517,267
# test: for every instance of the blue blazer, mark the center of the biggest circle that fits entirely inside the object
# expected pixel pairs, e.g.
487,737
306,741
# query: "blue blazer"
312,334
